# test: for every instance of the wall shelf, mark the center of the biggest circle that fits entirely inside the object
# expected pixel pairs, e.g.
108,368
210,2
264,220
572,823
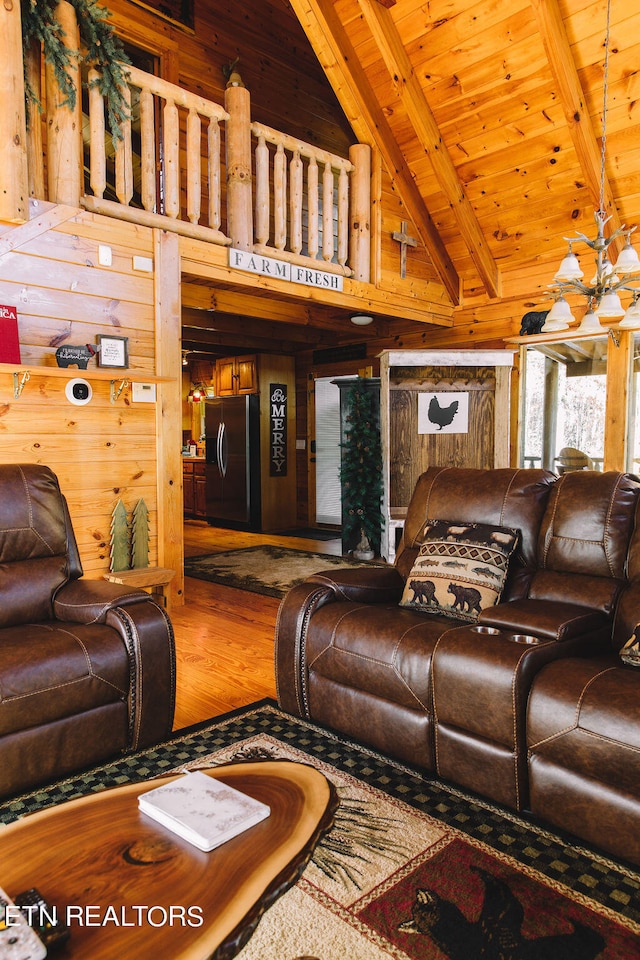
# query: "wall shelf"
92,373
119,378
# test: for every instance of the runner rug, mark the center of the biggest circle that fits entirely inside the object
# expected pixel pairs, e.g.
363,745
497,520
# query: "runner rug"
413,869
268,570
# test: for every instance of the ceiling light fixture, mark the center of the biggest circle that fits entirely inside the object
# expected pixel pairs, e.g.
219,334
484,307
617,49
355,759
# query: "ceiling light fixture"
361,320
602,293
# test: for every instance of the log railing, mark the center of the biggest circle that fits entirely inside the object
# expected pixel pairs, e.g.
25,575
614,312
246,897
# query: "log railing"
177,109
185,164
293,179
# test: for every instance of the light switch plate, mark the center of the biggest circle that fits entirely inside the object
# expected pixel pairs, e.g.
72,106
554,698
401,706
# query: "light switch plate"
144,264
105,257
143,393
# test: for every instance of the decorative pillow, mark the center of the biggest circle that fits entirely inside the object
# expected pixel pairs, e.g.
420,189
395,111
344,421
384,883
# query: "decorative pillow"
630,653
460,569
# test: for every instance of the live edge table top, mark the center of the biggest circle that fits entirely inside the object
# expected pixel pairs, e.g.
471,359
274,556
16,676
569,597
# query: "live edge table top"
132,888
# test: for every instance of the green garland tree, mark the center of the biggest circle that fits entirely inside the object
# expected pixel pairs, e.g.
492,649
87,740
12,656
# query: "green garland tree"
103,50
361,468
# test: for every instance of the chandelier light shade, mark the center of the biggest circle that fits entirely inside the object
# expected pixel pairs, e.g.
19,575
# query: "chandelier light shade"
559,317
610,307
632,316
569,268
603,293
628,262
590,323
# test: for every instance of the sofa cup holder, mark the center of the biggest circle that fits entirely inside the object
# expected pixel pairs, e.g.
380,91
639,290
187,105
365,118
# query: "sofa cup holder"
526,638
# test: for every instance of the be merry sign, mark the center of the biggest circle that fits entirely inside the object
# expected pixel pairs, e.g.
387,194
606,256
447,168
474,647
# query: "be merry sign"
282,270
277,429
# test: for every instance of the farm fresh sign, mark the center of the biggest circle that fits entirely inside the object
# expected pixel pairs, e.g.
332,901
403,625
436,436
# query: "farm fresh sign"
281,270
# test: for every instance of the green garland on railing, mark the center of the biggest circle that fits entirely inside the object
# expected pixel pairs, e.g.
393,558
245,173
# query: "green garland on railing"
104,50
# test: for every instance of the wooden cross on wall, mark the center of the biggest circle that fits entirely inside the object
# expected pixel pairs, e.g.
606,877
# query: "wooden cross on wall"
405,241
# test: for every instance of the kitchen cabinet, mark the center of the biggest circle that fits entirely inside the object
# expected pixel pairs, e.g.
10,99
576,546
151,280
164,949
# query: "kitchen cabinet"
194,485
236,376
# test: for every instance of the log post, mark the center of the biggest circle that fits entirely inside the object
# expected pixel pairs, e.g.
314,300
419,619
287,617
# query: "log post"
360,217
35,151
14,184
64,126
238,143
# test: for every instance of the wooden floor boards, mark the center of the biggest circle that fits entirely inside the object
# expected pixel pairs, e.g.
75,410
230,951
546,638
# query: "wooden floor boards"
224,636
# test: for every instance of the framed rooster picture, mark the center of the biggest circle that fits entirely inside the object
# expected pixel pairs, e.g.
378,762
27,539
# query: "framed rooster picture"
446,412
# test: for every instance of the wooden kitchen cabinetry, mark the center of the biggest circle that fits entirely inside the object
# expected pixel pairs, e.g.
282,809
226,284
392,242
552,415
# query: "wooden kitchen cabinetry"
236,376
194,484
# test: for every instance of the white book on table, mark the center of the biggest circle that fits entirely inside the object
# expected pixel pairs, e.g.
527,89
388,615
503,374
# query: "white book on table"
202,810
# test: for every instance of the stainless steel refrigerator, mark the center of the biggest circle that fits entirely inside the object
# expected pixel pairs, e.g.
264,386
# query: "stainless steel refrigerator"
232,432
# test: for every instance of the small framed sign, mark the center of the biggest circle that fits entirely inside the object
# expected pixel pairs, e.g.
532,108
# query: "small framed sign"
113,351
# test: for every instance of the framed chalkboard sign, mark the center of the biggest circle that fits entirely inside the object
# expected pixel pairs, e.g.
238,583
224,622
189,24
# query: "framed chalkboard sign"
178,11
113,351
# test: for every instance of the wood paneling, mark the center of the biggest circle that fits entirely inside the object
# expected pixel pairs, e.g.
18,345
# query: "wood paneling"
102,451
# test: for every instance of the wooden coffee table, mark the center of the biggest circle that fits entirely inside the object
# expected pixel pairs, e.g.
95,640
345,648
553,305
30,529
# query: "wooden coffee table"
131,888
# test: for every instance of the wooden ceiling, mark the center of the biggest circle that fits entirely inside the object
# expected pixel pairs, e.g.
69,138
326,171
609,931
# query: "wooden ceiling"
491,114
488,114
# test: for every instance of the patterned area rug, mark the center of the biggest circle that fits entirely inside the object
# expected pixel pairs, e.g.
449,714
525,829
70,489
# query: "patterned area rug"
268,570
412,869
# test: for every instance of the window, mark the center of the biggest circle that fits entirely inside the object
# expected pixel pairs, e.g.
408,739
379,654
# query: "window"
564,404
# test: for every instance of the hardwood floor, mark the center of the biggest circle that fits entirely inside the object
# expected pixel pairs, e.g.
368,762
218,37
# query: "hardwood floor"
224,636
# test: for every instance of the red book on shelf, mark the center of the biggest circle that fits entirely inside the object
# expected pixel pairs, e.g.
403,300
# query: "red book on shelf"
9,343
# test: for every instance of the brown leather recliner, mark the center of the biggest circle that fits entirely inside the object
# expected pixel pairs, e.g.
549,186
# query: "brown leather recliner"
87,667
348,657
481,689
583,731
452,697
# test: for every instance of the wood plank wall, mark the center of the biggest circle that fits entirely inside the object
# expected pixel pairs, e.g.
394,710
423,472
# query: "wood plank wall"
101,451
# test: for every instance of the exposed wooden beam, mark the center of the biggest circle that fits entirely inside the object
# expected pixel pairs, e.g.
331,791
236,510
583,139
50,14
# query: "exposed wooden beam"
242,325
585,142
386,37
340,63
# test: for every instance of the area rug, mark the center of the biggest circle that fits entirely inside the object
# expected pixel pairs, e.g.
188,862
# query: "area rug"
271,571
412,870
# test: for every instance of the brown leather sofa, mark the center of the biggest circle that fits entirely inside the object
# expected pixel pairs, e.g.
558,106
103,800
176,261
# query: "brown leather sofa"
87,667
530,705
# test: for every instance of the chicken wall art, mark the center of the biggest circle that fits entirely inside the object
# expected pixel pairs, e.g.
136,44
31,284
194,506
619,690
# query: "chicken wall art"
443,412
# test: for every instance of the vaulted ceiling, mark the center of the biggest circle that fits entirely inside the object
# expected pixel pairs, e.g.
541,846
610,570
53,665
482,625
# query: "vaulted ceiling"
489,114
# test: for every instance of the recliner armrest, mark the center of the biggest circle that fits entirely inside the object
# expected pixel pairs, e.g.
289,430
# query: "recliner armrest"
363,584
87,601
550,619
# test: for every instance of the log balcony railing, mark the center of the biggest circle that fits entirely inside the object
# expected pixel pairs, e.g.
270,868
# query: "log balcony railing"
188,165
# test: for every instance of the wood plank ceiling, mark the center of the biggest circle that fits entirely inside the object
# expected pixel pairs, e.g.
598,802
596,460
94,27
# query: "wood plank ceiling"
491,115
488,115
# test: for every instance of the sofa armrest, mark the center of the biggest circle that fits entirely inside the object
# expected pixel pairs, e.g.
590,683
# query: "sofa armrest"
87,601
549,619
362,584
147,634
357,585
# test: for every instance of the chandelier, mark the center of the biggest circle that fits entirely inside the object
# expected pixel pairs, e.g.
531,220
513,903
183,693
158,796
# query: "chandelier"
602,292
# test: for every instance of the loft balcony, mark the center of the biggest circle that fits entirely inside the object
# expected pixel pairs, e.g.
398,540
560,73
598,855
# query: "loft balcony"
204,170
